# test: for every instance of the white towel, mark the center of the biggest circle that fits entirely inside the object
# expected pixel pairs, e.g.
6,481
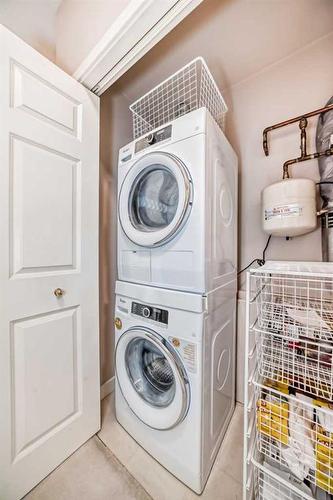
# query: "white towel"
299,455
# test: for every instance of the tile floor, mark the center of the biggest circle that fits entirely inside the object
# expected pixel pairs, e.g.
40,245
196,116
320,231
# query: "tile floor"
112,466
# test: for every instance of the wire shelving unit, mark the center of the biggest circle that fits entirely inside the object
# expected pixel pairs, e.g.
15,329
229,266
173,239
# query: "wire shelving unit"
288,417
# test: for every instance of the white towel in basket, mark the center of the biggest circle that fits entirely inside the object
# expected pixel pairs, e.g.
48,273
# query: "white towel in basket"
325,418
309,318
299,455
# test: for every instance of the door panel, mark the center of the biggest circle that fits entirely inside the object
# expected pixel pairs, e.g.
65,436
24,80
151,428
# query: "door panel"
135,265
49,352
43,100
46,383
51,180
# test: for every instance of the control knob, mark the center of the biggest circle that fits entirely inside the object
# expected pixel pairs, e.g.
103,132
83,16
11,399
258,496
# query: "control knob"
146,312
151,138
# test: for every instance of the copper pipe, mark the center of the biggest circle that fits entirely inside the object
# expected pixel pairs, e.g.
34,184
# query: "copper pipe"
313,156
302,125
290,121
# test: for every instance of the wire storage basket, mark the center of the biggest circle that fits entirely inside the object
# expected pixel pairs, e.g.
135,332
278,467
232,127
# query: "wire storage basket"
294,330
190,88
294,434
269,486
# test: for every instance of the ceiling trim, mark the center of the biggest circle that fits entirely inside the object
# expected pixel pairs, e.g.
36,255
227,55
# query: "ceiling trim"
141,25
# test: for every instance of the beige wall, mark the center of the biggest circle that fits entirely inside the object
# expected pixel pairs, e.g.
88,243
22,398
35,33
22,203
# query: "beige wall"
298,83
80,24
33,21
115,131
237,38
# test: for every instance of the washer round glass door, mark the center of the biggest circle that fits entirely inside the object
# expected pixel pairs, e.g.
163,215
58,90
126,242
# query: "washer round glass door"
152,378
155,199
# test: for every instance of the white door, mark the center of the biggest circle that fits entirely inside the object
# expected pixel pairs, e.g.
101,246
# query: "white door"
49,354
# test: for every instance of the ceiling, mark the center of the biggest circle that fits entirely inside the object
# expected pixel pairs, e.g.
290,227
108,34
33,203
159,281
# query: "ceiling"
237,38
52,4
33,21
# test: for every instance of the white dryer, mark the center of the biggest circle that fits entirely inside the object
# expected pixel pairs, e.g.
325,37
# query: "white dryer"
177,206
175,374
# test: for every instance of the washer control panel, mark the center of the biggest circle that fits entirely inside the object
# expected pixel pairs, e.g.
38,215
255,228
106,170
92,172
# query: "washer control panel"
153,138
149,312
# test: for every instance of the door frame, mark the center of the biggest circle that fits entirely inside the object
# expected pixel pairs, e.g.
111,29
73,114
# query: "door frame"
141,25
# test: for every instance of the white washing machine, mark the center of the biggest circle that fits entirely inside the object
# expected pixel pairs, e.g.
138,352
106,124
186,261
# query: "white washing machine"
177,206
175,374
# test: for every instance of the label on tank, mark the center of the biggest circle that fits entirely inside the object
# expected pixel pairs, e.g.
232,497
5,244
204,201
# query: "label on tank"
187,351
293,209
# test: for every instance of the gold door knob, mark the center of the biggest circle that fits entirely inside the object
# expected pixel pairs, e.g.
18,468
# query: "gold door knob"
59,292
118,323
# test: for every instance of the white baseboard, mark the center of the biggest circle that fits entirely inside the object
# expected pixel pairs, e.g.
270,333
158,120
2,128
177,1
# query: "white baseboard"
107,388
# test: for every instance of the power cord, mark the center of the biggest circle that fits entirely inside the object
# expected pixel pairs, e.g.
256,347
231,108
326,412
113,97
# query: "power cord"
260,262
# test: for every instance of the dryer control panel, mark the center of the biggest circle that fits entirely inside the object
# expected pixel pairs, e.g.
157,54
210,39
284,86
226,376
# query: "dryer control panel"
153,138
149,312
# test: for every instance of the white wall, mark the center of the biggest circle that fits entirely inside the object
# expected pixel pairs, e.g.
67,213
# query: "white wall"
33,21
80,25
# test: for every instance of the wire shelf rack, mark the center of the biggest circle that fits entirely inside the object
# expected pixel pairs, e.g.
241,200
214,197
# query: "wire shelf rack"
295,434
190,88
294,331
288,421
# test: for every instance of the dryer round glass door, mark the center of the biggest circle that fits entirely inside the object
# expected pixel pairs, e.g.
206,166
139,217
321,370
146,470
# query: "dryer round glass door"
155,199
152,378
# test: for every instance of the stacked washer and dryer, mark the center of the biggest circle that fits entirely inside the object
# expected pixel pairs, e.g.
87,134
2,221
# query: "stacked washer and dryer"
176,293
